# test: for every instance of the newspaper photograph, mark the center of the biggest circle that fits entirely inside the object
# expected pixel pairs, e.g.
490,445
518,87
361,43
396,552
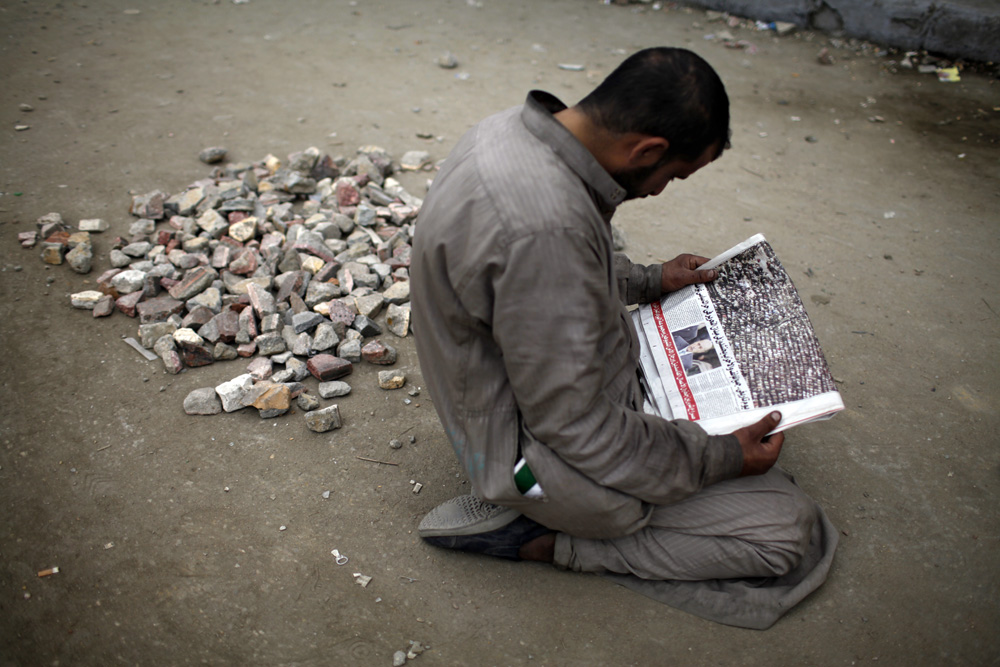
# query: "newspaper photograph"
726,353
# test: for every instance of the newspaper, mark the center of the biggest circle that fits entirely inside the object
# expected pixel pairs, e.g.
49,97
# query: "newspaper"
726,353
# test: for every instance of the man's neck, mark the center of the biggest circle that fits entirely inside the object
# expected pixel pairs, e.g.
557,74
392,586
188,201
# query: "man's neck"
611,150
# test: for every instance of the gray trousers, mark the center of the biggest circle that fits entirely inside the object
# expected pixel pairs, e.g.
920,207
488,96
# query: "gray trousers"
746,527
741,552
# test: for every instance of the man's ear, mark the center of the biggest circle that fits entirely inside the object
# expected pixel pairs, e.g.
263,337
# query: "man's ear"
648,151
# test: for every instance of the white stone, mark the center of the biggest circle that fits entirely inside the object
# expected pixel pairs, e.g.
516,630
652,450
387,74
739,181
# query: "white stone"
233,392
186,336
85,300
128,281
94,225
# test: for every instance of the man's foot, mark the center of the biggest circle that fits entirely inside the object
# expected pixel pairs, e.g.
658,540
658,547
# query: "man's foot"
467,523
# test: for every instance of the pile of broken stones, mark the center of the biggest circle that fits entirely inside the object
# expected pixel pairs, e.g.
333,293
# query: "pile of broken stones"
286,262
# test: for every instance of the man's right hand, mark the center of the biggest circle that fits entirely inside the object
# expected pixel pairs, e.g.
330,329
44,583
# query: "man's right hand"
760,452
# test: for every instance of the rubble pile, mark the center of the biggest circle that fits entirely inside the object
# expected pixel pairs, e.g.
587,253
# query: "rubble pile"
285,262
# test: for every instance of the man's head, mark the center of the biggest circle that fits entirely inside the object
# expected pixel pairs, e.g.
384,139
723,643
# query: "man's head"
664,92
674,110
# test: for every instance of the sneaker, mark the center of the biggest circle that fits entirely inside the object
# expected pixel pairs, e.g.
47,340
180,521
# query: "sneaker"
467,523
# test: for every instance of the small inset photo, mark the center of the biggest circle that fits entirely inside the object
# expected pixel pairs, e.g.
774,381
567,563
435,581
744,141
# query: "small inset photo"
696,349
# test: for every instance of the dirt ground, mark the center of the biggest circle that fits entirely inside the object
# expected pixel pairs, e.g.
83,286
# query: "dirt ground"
886,218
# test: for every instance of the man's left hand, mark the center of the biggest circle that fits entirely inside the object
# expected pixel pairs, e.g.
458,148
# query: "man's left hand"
682,271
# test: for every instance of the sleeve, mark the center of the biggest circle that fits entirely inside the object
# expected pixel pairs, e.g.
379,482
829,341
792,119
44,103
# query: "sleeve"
554,315
638,283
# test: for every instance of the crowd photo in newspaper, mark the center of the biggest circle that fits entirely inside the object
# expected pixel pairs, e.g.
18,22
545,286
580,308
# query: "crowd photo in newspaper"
726,353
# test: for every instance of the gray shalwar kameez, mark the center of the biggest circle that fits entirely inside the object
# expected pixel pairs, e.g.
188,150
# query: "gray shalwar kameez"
526,345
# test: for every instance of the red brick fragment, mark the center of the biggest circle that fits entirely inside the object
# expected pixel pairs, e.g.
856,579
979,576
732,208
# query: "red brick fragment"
326,367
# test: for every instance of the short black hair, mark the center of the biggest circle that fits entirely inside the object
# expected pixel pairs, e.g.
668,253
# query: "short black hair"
664,92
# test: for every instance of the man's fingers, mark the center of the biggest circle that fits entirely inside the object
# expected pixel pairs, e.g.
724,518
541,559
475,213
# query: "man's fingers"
694,261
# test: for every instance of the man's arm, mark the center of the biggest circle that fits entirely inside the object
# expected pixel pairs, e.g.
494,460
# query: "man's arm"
643,284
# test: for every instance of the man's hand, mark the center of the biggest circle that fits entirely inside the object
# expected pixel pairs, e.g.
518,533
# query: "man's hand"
681,272
759,452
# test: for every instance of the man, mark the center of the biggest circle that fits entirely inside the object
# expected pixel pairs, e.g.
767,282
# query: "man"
528,351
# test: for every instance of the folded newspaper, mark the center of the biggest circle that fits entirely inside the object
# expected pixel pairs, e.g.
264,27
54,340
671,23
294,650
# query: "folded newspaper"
726,353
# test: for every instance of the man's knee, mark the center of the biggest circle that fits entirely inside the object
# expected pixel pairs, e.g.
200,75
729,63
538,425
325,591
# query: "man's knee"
785,540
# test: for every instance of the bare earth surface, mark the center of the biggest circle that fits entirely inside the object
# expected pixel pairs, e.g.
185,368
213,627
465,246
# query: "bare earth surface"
889,230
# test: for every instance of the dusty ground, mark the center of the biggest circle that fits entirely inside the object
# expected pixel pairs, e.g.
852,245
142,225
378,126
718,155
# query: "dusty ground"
888,228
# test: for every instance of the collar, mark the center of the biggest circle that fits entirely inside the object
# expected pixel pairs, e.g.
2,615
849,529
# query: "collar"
537,115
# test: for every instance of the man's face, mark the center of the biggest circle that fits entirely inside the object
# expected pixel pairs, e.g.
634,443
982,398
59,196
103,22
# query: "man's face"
650,181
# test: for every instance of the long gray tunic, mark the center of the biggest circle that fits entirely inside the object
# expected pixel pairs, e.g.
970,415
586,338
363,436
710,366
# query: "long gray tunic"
526,346
523,335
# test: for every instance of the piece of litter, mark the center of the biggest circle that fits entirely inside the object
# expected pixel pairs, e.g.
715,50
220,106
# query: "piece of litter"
282,527
340,558
570,67
109,545
362,579
948,74
417,487
48,572
150,356
325,494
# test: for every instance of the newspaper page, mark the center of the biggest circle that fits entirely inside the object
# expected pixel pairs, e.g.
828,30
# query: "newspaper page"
726,353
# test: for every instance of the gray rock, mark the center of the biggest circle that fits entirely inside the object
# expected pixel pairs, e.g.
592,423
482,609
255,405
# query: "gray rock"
298,368
398,293
211,298
334,389
350,350
270,343
150,333
397,320
204,401
366,327
260,368
284,375
80,258
119,259
212,155
307,402
414,160
307,321
317,292
301,344
270,323
325,336
141,227
369,306
391,379
262,300
138,249
223,352
164,343
324,420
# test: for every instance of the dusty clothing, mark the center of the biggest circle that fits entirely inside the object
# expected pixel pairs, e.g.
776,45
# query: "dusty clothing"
526,346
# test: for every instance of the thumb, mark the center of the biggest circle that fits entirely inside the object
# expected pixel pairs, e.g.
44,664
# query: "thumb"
765,425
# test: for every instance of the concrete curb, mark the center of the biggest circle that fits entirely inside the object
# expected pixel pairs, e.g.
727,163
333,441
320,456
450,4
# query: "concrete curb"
967,29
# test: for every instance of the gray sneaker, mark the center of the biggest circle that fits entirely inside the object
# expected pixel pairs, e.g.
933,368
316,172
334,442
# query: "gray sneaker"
465,515
469,524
